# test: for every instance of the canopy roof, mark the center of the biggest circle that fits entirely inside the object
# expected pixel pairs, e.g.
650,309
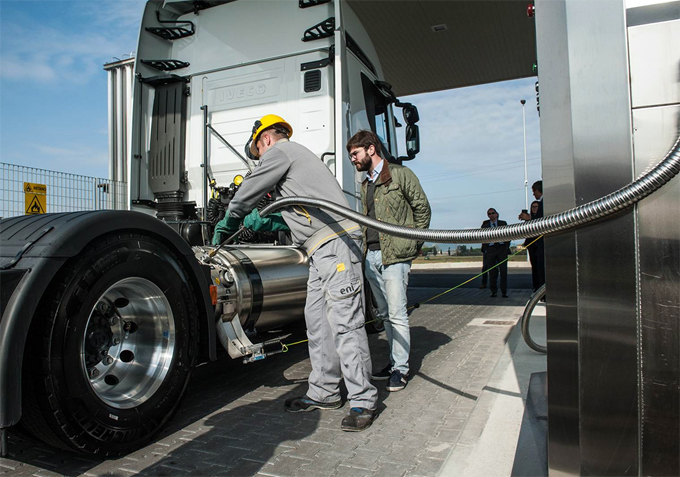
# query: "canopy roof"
482,41
434,45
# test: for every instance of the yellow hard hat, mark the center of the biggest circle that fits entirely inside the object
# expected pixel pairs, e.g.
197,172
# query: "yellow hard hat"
266,122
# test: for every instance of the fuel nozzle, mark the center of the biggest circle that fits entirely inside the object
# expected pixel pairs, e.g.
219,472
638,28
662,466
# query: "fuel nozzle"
227,241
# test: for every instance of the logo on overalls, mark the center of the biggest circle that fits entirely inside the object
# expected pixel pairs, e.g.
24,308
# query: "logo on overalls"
346,290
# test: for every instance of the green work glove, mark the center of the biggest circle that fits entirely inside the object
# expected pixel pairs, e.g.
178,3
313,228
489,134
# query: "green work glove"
225,228
271,223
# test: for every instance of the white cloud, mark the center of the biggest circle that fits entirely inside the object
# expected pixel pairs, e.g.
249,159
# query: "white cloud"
61,151
481,123
19,69
125,14
78,159
75,49
472,154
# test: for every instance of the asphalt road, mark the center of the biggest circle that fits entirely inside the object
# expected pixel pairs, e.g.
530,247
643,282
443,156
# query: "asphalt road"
518,278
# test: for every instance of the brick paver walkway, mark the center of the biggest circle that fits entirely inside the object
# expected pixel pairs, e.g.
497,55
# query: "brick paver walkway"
232,423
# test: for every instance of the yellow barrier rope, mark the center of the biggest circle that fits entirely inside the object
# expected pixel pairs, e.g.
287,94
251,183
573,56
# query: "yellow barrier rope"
285,347
476,276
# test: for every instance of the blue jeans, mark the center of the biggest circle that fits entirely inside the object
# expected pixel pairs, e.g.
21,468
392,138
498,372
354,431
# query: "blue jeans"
389,284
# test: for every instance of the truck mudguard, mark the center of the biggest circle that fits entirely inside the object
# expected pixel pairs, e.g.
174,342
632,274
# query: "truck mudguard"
33,250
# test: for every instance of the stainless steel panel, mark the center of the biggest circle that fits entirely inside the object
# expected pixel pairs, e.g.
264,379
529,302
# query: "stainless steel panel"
607,285
655,63
560,250
591,281
656,130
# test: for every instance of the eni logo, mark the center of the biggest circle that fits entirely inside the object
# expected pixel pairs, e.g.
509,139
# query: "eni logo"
346,290
242,92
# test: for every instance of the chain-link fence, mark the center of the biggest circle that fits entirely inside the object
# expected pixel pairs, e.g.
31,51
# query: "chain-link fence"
64,192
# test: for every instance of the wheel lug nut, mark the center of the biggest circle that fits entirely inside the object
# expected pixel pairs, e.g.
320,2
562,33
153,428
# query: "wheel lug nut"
103,307
94,372
108,360
113,320
116,341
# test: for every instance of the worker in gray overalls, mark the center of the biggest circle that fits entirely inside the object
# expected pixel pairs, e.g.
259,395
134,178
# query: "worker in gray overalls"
334,311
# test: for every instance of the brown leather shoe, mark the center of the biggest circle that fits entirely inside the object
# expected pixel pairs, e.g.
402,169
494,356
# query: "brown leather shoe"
358,419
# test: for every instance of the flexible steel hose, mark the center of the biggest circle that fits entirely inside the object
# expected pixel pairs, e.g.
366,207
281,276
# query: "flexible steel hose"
598,209
526,317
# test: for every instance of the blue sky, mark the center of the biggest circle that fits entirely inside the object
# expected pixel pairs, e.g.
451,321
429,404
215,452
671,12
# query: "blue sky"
53,110
53,90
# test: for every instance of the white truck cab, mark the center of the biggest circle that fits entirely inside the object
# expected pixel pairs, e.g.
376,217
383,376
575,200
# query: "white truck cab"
206,71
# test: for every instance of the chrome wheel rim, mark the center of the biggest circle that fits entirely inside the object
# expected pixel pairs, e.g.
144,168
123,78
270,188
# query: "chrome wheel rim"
129,343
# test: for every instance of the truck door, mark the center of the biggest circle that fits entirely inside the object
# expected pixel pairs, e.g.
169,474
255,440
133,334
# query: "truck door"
370,109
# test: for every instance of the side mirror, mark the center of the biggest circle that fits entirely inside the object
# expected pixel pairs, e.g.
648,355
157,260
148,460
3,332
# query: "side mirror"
410,114
412,139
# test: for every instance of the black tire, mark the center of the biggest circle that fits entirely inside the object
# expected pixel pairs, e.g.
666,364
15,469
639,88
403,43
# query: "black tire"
373,324
69,405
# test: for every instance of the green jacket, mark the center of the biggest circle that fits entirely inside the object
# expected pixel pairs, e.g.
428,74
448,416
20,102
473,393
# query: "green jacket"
400,200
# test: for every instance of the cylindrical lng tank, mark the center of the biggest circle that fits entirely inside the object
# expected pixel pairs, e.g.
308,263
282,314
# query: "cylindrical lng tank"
266,285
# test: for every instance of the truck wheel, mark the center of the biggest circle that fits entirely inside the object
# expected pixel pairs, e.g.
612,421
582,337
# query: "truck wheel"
373,324
111,347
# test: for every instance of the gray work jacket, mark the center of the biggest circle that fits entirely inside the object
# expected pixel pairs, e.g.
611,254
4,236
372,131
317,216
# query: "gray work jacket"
293,170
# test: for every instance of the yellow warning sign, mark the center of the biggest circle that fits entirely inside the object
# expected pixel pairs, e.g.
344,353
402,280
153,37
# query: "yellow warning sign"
31,188
35,204
35,198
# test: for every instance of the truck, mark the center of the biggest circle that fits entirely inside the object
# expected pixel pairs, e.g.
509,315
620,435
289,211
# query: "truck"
78,289
106,313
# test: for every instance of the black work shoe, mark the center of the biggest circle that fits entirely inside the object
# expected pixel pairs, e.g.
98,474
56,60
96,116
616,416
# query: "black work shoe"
505,295
358,419
304,404
397,382
493,295
384,374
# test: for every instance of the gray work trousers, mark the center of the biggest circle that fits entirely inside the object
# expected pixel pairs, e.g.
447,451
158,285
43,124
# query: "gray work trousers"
334,313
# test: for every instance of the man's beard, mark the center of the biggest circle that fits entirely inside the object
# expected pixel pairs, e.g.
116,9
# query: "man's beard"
363,166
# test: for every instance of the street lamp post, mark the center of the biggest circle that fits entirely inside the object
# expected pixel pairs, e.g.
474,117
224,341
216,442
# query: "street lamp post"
526,175
526,178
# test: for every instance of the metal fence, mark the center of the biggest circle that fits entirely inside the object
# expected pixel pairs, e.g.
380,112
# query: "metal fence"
65,192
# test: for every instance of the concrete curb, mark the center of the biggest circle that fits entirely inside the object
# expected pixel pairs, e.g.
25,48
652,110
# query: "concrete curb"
488,441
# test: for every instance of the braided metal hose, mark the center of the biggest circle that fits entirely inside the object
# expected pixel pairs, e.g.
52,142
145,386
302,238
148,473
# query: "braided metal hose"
526,317
598,209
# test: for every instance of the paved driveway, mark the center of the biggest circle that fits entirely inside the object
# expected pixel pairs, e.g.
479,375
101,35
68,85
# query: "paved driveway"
231,421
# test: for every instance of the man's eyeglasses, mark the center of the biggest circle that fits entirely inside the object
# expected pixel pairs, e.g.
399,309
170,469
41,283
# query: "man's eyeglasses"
491,213
354,154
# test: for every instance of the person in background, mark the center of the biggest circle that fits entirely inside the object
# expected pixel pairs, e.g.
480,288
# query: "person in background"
496,253
537,191
334,310
485,266
390,193
535,250
537,255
